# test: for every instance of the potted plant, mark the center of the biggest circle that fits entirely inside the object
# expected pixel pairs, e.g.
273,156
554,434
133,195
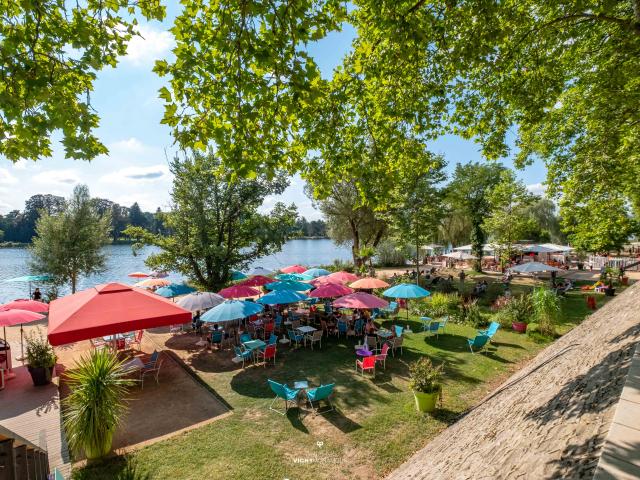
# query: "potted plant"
517,311
425,384
40,359
96,404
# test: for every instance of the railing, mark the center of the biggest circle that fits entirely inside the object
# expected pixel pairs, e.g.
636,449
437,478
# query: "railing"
20,459
629,263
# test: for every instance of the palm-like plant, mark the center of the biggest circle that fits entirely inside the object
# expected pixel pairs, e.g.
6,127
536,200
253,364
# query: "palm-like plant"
96,404
546,306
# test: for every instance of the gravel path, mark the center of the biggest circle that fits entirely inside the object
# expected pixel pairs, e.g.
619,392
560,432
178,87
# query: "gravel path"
550,419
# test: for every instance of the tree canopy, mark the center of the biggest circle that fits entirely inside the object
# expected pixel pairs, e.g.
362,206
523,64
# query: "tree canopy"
50,51
68,243
214,222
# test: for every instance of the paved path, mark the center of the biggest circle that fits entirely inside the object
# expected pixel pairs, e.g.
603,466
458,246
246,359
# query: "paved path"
550,419
34,413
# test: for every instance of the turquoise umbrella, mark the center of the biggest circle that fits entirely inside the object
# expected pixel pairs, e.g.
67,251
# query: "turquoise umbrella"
174,289
236,275
282,297
317,272
406,291
31,278
289,285
297,277
231,310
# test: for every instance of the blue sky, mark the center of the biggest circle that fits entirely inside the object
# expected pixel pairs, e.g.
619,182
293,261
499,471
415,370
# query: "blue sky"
126,99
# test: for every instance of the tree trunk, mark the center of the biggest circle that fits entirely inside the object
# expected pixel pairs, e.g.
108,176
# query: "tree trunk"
355,248
73,282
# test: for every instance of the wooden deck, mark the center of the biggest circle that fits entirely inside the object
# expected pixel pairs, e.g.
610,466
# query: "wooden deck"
34,413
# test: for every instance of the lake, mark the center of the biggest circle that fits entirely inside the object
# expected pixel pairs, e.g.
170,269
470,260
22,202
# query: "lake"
14,262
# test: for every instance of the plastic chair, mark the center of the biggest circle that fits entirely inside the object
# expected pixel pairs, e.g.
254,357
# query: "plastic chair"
268,353
242,355
152,370
316,395
295,337
245,337
368,364
342,328
478,343
443,322
491,331
398,330
434,328
425,323
216,338
396,342
358,326
316,337
382,356
289,395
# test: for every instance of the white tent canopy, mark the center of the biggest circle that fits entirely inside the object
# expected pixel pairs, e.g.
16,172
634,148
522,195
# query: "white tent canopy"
538,249
534,267
200,301
487,247
459,256
557,248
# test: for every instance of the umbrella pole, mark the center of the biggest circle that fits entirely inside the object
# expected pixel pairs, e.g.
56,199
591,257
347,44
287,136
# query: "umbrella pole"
21,344
4,330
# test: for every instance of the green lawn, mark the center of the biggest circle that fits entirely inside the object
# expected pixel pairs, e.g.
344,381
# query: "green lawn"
374,429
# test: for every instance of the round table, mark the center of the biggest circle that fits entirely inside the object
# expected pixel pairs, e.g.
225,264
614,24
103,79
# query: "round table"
363,353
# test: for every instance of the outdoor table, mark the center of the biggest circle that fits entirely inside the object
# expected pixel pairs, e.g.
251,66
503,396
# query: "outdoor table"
113,339
254,344
363,353
385,334
305,329
133,364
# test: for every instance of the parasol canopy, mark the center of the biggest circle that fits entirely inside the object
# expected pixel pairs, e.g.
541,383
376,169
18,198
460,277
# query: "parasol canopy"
331,290
174,290
343,277
289,285
282,297
369,283
534,267
200,301
257,281
109,309
406,290
26,304
239,291
360,300
293,269
231,310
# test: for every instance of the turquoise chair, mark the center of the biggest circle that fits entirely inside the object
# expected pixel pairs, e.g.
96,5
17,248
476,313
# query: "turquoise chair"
398,330
391,309
242,355
289,395
491,331
273,339
342,328
434,328
358,326
477,343
216,338
443,322
375,313
295,338
245,337
316,395
425,323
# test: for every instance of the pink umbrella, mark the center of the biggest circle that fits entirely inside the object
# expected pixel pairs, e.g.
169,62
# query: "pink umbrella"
257,281
331,290
360,300
343,277
369,283
293,269
138,275
239,291
29,305
14,316
321,281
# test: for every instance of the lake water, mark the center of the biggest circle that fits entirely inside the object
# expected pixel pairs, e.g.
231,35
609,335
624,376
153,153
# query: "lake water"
14,262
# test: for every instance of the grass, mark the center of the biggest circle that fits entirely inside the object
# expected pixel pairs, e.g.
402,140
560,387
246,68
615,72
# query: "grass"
374,429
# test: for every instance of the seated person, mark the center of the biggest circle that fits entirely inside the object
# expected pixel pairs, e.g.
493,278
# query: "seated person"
370,327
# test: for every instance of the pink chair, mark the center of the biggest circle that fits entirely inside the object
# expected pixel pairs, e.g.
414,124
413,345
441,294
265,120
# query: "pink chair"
135,340
269,353
382,356
367,363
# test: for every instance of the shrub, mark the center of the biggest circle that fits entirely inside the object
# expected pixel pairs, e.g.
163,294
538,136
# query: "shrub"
517,309
546,306
435,306
424,376
95,406
390,255
470,313
39,352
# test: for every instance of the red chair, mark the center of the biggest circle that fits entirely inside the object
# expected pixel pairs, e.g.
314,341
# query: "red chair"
367,363
268,329
269,353
382,356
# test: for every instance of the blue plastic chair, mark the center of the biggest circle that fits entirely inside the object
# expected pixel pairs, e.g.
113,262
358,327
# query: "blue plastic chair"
216,338
375,313
245,337
398,330
477,343
425,323
289,395
242,354
316,395
295,337
443,322
152,360
434,328
391,309
491,331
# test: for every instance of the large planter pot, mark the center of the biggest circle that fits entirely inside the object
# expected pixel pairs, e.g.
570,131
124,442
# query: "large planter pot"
625,280
609,292
520,327
426,402
41,375
98,452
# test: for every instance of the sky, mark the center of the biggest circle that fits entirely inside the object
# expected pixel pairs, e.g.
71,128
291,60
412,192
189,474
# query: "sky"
136,168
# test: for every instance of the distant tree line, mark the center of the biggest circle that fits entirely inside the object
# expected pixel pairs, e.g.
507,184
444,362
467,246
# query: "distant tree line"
313,228
20,226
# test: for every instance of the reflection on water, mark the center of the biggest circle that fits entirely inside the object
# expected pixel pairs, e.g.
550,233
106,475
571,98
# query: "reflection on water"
14,262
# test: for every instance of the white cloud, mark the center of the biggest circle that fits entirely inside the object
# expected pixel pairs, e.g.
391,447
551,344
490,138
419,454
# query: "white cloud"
6,178
537,188
57,177
130,145
150,46
20,165
136,175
